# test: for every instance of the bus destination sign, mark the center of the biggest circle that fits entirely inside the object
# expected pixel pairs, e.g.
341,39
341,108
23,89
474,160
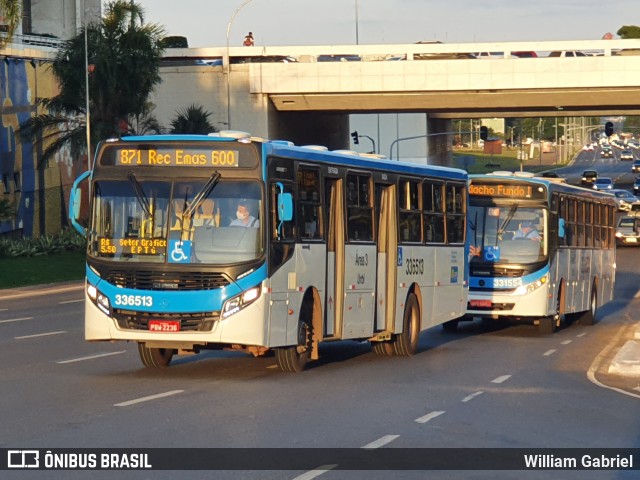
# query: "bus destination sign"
132,246
507,190
176,157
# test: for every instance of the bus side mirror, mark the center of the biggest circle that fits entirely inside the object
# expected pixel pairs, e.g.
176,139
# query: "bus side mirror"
285,207
75,203
561,233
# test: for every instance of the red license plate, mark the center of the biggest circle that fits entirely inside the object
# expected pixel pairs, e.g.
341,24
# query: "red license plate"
164,325
480,303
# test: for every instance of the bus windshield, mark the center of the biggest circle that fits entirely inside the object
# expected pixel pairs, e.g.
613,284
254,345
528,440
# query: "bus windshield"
507,234
210,221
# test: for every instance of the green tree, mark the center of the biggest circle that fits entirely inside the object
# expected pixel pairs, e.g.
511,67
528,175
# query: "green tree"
7,212
124,55
629,31
11,10
192,119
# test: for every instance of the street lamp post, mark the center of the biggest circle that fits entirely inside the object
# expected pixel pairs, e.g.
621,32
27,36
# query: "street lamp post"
357,40
227,64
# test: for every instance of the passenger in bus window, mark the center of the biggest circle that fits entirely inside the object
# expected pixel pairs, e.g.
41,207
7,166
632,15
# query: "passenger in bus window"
244,217
527,232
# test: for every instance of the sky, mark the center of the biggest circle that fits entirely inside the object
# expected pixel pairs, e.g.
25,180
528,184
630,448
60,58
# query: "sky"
344,22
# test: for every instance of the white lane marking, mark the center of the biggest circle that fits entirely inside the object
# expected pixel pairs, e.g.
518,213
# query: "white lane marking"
501,379
91,357
549,352
380,442
566,342
316,472
146,399
581,335
40,335
272,366
71,301
3,309
16,319
429,416
472,396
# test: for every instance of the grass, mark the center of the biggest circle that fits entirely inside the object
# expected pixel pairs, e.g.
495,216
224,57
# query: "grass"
57,267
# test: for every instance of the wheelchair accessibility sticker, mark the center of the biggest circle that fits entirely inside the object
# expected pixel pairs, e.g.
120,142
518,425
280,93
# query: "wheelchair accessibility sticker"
179,251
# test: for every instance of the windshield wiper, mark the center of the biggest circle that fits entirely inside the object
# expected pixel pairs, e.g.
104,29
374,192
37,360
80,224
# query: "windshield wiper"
510,214
142,198
201,195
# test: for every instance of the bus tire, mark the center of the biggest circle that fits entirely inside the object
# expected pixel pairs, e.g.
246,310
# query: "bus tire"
406,343
384,349
155,357
589,317
547,325
294,359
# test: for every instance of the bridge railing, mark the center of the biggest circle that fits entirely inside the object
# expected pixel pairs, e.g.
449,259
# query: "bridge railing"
408,52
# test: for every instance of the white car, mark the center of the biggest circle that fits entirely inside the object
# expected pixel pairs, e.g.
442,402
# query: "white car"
625,199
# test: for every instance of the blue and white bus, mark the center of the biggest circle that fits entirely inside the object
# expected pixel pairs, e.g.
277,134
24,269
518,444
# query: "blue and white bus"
334,246
539,249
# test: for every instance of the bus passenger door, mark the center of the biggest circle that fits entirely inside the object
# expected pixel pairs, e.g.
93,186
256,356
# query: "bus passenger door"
387,257
334,300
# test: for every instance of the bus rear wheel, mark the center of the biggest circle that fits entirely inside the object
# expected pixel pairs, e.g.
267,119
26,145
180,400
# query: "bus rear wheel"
589,317
406,343
294,359
155,357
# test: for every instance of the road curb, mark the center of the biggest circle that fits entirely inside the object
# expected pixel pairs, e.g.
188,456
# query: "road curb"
627,360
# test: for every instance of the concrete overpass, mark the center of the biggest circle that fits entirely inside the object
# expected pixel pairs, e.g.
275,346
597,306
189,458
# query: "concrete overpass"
310,101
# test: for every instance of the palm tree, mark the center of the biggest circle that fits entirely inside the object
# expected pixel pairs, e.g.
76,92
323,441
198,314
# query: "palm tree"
192,119
11,10
124,54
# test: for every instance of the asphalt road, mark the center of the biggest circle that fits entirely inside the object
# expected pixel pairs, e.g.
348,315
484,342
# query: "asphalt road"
481,386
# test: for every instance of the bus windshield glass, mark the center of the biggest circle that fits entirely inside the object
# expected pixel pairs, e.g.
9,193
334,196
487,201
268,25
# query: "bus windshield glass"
213,221
507,234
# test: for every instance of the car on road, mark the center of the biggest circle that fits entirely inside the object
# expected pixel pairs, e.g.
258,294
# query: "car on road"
624,199
603,183
628,231
588,177
568,53
635,166
626,154
636,187
606,152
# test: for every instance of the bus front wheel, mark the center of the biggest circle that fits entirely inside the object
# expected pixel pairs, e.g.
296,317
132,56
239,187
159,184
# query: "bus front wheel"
155,357
406,343
293,359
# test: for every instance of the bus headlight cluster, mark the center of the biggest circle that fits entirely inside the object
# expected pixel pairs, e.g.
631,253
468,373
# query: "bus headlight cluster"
99,298
237,303
524,289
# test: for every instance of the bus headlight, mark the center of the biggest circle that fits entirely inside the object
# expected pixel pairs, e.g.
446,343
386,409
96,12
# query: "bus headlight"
524,289
237,303
99,298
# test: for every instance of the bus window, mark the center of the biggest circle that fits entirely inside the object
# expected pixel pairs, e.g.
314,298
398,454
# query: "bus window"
433,207
410,228
455,213
309,206
359,210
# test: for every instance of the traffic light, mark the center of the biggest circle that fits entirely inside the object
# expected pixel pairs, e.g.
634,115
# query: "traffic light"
608,128
484,133
354,135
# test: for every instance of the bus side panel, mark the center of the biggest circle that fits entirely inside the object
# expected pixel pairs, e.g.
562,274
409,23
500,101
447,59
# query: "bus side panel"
278,302
310,272
360,283
415,265
449,299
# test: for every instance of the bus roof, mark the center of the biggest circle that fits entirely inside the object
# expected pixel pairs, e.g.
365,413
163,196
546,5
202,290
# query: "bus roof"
314,153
